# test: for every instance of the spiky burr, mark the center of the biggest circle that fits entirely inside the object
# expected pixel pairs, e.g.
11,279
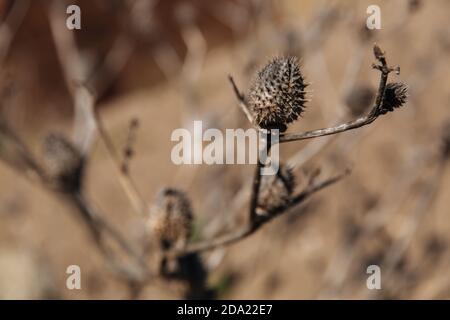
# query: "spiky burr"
277,95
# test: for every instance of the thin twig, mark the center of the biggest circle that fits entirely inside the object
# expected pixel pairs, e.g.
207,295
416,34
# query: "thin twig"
241,99
97,225
363,121
76,73
350,125
251,228
358,123
255,191
128,185
22,160
94,221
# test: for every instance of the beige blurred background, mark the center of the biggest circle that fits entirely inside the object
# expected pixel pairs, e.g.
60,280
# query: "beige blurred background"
391,211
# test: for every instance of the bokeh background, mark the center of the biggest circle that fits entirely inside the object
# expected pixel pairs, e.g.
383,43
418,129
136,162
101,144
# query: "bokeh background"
169,66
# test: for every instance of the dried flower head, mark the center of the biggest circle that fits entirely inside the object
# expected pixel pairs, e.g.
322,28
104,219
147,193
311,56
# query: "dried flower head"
275,190
62,162
277,96
170,219
359,100
395,95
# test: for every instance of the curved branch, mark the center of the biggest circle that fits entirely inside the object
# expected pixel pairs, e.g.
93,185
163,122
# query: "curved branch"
254,226
354,124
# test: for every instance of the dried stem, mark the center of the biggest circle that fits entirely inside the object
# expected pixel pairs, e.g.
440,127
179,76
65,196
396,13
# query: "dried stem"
363,121
241,99
22,160
354,124
78,77
255,191
255,221
76,73
128,185
256,224
97,226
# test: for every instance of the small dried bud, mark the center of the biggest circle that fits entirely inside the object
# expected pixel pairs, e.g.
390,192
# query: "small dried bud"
359,100
446,141
378,53
170,219
275,190
63,162
277,96
395,95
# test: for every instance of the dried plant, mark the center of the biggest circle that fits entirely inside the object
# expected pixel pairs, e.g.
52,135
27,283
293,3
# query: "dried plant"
255,220
276,98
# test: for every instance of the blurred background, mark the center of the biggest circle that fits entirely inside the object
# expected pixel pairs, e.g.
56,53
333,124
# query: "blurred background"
164,64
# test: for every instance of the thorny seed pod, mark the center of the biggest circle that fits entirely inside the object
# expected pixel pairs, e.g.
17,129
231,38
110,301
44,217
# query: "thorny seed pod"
395,95
170,219
359,100
275,190
63,163
277,96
